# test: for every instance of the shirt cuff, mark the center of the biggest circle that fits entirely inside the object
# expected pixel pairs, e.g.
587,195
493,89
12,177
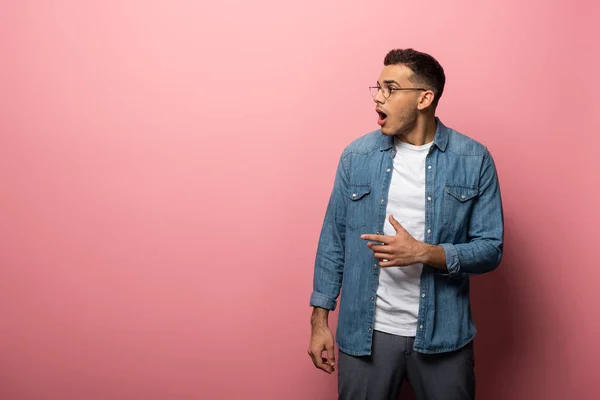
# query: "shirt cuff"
320,300
452,261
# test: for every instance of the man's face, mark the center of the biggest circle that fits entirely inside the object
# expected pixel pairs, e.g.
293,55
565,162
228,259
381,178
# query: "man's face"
398,113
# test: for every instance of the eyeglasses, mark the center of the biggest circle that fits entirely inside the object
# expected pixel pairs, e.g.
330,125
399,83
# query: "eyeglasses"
387,91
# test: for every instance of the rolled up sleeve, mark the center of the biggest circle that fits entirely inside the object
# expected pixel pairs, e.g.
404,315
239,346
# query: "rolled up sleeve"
329,262
483,252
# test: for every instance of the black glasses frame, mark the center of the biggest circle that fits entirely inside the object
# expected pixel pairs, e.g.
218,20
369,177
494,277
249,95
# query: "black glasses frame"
390,90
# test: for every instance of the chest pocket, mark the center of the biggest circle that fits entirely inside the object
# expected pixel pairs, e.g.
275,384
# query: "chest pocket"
357,213
457,205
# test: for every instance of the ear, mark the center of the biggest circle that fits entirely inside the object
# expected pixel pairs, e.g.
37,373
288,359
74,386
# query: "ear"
425,100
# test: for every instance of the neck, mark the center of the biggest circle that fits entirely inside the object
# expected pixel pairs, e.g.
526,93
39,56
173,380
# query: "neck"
421,133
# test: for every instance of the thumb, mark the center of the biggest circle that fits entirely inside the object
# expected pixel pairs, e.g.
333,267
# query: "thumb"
396,224
330,354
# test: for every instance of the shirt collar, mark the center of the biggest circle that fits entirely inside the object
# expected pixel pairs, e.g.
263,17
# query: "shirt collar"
440,139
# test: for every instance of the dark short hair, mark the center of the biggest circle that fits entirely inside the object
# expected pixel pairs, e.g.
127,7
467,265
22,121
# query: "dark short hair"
426,69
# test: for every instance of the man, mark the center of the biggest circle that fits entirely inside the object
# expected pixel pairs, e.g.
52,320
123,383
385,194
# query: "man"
415,210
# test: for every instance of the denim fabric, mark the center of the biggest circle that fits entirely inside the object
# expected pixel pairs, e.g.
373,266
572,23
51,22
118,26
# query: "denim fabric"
464,216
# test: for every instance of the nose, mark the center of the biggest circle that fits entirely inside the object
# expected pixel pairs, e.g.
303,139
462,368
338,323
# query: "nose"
378,98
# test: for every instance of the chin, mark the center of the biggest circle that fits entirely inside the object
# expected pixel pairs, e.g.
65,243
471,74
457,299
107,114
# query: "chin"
387,131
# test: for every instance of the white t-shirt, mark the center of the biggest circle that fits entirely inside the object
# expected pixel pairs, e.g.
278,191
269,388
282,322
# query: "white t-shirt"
398,293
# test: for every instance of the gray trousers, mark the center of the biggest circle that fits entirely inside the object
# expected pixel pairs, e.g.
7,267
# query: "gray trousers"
446,376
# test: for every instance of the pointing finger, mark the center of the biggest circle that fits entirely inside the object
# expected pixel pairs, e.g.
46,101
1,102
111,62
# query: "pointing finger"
376,238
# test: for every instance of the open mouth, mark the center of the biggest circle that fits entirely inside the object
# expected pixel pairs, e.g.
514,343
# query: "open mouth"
382,117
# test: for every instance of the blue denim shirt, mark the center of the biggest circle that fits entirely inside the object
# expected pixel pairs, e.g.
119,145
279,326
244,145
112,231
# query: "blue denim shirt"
464,216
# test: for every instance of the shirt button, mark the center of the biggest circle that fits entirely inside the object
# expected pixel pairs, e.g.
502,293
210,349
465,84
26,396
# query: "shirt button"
420,326
388,170
378,233
354,195
382,201
374,265
428,230
429,167
369,329
429,198
372,299
462,196
423,295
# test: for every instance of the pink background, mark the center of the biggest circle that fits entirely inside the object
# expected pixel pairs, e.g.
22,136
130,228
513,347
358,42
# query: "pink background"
165,168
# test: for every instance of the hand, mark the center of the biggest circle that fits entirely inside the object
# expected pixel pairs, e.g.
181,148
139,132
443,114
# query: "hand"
321,340
396,251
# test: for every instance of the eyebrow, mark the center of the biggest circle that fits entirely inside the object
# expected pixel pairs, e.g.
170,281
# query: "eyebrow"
390,81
